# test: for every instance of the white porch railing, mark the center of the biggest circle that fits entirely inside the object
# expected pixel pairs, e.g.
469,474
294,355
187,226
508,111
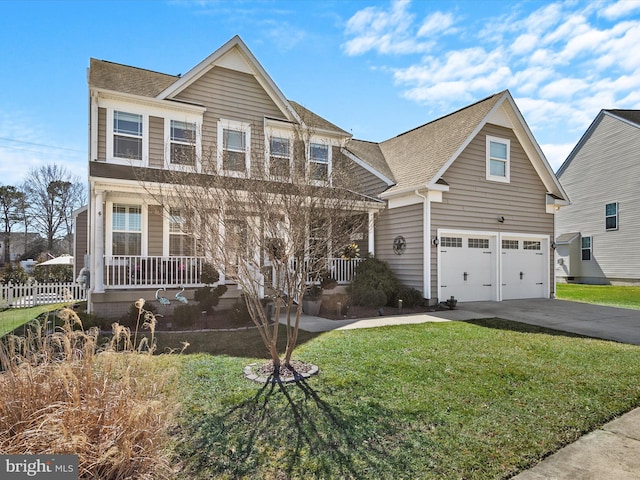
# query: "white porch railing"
124,271
121,271
31,295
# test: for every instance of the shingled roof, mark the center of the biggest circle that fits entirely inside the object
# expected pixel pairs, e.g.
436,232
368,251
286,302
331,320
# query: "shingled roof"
315,121
629,115
370,153
125,79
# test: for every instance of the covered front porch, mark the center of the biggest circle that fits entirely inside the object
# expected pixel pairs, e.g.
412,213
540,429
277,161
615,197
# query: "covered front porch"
142,272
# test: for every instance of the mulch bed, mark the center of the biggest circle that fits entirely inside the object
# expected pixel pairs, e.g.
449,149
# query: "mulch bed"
368,312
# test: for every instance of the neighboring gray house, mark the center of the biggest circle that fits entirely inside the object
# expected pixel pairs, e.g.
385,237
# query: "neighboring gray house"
462,206
597,237
19,242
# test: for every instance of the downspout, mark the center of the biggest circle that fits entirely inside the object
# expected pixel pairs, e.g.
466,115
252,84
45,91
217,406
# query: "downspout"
426,245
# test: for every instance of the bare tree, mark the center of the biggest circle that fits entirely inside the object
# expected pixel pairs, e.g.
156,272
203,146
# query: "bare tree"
52,194
271,227
10,201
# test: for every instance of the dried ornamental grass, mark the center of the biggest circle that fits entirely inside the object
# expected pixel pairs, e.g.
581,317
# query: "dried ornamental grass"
61,394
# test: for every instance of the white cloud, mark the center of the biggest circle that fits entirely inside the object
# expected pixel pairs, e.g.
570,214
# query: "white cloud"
436,23
620,9
563,88
524,44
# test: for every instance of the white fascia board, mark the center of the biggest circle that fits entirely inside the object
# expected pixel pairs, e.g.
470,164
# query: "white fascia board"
105,96
366,166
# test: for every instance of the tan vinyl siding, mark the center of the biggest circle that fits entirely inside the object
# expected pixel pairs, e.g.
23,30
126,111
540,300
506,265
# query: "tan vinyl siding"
366,182
102,134
474,203
232,95
156,142
81,241
604,171
155,230
407,222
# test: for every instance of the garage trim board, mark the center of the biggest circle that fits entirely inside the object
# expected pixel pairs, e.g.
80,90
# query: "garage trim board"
485,265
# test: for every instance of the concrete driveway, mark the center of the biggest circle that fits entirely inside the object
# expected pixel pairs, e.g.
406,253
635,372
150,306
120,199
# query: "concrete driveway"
609,323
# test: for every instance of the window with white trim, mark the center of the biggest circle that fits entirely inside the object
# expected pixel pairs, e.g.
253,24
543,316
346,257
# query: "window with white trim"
586,248
319,158
182,147
127,135
279,157
498,159
611,216
234,140
126,228
181,241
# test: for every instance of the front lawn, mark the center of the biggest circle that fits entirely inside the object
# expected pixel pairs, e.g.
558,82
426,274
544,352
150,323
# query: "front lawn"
438,400
610,295
15,317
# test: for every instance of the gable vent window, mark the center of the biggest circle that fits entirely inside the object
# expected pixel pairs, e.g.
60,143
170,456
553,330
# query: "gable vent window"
611,216
498,159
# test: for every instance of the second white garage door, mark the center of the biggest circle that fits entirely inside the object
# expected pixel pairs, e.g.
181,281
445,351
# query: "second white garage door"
492,266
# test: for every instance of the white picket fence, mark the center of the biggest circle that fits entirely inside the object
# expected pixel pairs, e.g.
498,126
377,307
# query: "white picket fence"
31,295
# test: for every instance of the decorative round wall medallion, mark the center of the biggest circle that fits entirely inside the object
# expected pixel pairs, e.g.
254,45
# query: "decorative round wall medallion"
399,245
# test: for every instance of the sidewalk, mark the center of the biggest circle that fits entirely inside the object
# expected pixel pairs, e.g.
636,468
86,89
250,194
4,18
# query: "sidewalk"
610,452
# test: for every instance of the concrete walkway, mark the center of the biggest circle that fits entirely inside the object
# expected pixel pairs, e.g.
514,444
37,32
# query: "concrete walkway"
611,452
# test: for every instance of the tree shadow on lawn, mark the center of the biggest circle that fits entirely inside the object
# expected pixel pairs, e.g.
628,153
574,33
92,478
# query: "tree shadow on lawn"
513,326
290,431
239,343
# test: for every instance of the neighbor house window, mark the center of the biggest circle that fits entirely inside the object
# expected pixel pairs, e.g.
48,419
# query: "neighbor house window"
319,161
611,216
498,159
183,143
279,157
126,227
234,137
181,242
127,135
586,248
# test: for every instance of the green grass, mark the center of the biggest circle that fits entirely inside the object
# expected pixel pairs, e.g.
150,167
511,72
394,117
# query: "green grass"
479,400
610,295
15,317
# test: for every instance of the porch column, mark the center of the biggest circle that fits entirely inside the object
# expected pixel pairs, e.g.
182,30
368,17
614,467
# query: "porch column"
372,238
98,254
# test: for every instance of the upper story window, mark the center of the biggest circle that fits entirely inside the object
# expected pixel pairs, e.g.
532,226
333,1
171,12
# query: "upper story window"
586,248
319,158
498,159
279,157
127,135
182,143
234,156
611,216
126,227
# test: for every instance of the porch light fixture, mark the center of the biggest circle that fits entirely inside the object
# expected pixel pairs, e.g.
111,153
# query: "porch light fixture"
500,219
435,241
553,245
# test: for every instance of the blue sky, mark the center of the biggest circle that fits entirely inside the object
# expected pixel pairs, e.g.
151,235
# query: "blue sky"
374,68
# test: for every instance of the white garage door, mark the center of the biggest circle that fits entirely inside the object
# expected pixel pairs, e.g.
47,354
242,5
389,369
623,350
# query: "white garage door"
524,272
468,267
470,271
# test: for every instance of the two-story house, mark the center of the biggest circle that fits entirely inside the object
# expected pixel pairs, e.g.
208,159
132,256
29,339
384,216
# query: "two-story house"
462,206
596,235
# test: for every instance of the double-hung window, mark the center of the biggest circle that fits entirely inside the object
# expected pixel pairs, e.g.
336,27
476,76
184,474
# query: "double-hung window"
279,157
127,135
586,248
498,159
126,229
319,161
611,216
183,143
234,140
181,242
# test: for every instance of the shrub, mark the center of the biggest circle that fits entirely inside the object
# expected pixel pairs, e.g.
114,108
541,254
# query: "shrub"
208,297
53,274
410,297
239,313
60,394
185,315
374,284
131,318
14,274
